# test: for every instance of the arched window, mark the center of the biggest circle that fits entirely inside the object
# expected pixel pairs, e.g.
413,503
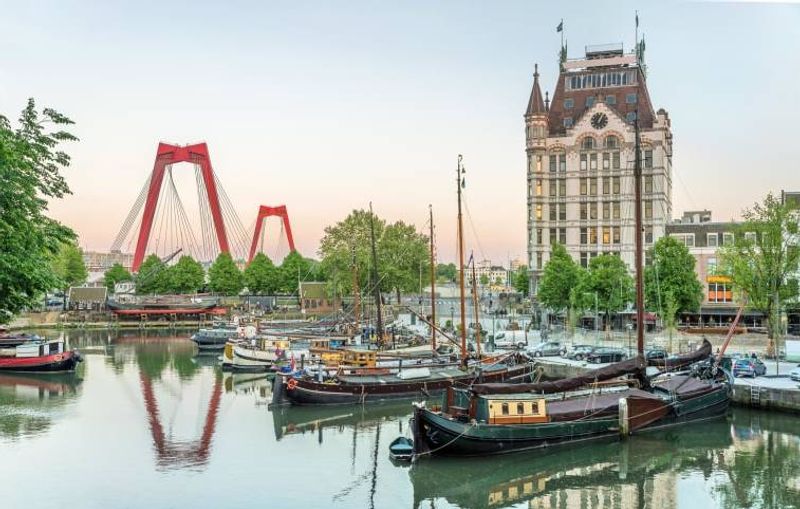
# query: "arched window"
612,142
588,143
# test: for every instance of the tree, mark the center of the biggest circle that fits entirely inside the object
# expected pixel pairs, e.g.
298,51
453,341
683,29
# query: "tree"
70,268
31,161
498,281
224,276
261,276
483,280
670,284
186,276
446,272
763,259
153,276
293,269
403,258
522,281
560,278
116,274
607,280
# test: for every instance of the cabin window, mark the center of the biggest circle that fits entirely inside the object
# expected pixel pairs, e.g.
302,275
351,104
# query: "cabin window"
504,408
520,408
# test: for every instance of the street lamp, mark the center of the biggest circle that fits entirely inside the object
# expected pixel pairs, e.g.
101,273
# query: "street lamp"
596,317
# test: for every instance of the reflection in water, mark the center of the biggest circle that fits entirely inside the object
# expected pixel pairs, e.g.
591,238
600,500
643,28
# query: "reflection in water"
29,403
181,428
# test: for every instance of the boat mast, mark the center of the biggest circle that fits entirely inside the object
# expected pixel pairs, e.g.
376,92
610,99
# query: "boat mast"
475,307
377,290
356,293
459,184
433,283
637,192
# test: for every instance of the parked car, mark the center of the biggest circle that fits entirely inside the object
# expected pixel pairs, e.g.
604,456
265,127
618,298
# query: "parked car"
548,348
510,339
655,353
579,352
795,374
749,367
605,354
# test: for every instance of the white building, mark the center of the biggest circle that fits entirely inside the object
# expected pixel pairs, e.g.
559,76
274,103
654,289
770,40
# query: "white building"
580,154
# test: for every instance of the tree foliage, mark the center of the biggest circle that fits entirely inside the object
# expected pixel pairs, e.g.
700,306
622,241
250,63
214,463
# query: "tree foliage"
671,286
153,276
560,278
31,161
607,277
346,246
763,259
186,276
446,272
294,269
261,276
483,280
224,276
116,274
69,266
522,281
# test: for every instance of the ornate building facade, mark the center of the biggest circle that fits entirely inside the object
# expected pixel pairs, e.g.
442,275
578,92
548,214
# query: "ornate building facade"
580,157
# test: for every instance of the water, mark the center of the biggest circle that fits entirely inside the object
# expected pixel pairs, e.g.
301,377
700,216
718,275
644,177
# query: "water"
145,424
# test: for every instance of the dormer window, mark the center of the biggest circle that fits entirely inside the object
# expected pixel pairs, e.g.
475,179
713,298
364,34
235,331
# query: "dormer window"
587,143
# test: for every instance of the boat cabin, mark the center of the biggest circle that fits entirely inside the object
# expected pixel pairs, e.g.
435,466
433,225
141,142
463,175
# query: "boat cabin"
35,349
496,409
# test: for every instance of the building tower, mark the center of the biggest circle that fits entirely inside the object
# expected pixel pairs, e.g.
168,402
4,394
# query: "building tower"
580,153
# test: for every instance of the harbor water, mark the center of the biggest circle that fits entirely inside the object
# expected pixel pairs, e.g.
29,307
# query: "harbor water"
147,424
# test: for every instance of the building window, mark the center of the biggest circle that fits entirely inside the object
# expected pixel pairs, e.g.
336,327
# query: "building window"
587,143
606,185
616,232
562,187
553,239
562,211
539,163
611,99
615,210
539,211
584,210
538,187
553,163
631,116
630,98
711,266
568,103
562,163
553,187
593,186
553,211
727,238
606,235
567,122
606,160
583,236
539,260
583,162
592,161
590,101
612,142
615,185
606,210
593,235
648,158
615,160
539,236
687,239
584,259
593,210
648,234
750,237
719,292
583,186
562,236
648,209
712,240
648,183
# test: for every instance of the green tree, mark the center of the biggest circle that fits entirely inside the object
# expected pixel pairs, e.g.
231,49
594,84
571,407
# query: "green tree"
560,278
345,248
670,284
483,280
69,266
498,281
522,281
224,276
446,272
261,276
608,279
293,269
116,274
186,276
153,276
31,161
403,258
764,257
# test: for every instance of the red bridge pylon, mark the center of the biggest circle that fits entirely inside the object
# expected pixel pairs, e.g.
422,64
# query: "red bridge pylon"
263,213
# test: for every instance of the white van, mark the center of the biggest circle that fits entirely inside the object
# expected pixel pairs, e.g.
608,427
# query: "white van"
514,339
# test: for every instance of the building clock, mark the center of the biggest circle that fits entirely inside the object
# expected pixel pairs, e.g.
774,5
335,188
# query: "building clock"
599,120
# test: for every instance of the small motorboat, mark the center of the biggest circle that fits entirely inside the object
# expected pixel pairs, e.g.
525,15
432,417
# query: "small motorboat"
401,449
39,356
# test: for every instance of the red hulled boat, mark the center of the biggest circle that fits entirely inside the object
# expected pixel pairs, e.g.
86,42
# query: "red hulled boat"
39,357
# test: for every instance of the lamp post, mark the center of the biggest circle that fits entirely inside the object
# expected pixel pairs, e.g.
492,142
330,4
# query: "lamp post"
596,317
452,317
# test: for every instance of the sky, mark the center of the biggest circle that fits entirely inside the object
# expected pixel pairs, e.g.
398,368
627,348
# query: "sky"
326,106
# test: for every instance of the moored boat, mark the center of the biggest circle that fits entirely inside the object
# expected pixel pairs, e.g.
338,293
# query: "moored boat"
41,356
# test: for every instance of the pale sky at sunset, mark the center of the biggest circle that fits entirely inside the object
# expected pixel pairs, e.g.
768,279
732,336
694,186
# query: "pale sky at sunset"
324,106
